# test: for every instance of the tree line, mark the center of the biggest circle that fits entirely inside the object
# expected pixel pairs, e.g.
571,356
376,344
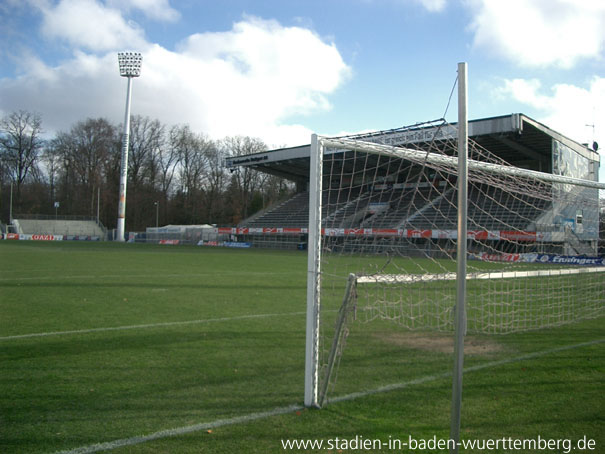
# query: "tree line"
174,173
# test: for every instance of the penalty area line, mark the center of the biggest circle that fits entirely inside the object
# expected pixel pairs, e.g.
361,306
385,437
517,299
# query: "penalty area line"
148,325
251,417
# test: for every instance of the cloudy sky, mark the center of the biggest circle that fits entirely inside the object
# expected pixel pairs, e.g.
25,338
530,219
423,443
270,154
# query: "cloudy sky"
282,69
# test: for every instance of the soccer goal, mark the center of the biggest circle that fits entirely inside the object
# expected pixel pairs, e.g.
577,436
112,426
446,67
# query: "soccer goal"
383,245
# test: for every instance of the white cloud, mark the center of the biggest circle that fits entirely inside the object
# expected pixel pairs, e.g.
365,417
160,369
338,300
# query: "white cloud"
245,81
433,6
526,91
250,79
539,33
566,108
273,58
90,25
159,10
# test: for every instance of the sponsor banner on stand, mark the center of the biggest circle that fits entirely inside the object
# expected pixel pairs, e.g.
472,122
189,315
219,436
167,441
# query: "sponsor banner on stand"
569,259
477,235
209,243
385,232
444,234
490,257
233,244
48,237
292,231
517,236
541,258
173,242
419,233
236,244
40,237
260,230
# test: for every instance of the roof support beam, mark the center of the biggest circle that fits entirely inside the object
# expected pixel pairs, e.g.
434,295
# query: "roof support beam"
528,152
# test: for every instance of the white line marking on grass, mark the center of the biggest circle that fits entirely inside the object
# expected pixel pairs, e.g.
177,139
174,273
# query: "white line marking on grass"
292,408
130,277
429,378
149,325
181,431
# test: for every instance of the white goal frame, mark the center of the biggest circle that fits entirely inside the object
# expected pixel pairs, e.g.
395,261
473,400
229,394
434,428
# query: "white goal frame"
460,166
318,144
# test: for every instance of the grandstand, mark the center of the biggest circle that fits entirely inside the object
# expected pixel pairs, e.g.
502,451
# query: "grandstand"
514,139
294,212
68,227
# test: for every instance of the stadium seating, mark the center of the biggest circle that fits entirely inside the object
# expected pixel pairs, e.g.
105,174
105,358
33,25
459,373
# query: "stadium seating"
294,212
59,227
491,210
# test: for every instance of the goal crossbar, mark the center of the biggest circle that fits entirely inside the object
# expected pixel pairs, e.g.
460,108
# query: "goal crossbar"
413,278
450,161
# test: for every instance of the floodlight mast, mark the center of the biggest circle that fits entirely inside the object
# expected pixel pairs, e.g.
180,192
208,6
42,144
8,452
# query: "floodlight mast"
130,66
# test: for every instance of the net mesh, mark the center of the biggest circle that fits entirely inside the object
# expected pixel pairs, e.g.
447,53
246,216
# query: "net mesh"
389,217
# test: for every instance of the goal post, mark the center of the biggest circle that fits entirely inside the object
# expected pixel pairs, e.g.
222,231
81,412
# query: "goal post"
387,216
339,334
313,274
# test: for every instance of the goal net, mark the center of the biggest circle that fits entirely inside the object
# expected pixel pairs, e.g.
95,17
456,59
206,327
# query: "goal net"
383,236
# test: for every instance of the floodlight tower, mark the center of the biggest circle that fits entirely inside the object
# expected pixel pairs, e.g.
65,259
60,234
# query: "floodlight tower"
130,66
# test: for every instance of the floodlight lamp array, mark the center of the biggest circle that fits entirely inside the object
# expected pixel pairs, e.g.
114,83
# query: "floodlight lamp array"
130,64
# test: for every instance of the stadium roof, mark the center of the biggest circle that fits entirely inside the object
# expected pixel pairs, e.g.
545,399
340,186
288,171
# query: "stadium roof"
516,138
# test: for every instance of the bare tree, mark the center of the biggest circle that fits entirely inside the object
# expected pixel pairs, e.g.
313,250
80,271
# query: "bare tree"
193,152
20,146
146,137
86,151
51,156
168,158
244,181
214,184
180,170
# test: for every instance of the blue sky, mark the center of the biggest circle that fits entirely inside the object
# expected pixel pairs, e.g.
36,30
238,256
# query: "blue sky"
282,69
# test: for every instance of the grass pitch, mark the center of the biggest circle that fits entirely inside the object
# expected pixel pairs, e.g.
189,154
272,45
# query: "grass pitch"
101,343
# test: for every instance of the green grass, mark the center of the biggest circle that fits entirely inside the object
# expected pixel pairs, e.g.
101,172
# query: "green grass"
60,392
